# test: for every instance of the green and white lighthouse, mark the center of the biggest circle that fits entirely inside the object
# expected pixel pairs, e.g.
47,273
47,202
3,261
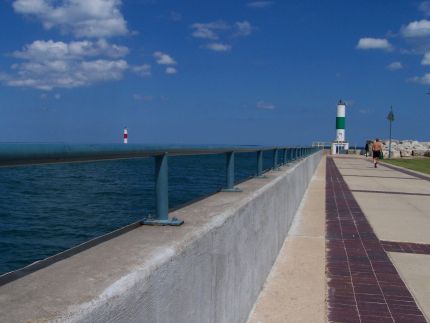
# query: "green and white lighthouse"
340,144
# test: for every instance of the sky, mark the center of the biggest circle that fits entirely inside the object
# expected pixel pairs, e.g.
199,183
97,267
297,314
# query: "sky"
213,72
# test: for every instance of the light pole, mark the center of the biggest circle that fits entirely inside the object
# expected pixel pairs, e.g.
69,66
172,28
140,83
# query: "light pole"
390,118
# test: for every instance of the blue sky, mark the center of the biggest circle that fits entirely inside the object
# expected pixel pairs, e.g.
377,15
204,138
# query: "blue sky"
212,72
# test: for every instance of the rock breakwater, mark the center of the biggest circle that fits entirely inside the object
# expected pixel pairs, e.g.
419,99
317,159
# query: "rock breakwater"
406,148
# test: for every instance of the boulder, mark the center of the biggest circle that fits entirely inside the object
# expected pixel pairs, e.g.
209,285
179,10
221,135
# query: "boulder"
418,152
405,153
395,154
405,148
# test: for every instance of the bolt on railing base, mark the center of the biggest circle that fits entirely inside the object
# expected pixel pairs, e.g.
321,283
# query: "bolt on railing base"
172,221
231,190
260,176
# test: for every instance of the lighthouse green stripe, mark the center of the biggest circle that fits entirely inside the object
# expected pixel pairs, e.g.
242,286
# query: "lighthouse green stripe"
340,122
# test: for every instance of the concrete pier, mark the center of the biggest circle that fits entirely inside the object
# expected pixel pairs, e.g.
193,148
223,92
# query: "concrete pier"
211,269
356,248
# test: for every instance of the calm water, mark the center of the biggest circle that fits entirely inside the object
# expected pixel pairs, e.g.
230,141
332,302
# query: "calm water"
47,209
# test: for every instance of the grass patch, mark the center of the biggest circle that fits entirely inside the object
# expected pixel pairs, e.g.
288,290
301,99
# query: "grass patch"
419,165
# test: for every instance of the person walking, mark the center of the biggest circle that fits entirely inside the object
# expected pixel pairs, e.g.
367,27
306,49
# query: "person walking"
366,149
376,151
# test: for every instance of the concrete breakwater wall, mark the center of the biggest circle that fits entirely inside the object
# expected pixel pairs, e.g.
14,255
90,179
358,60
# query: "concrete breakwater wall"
211,269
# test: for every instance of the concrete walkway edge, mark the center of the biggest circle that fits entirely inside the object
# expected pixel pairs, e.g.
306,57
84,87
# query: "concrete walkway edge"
295,290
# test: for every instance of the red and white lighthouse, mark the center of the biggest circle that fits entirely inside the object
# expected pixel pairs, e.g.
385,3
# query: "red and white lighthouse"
125,136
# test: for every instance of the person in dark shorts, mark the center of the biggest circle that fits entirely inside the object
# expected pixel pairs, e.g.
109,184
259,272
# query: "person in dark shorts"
377,152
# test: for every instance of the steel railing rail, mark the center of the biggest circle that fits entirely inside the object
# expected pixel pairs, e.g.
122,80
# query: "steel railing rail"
13,154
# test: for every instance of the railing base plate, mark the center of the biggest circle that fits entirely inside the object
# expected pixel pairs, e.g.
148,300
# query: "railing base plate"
231,190
172,221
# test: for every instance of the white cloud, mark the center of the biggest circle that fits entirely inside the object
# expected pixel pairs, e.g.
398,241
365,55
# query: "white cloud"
46,75
260,4
394,66
374,43
164,59
424,7
265,105
416,29
219,47
41,50
82,18
244,28
48,64
426,59
209,30
45,96
103,70
142,70
425,79
216,32
171,70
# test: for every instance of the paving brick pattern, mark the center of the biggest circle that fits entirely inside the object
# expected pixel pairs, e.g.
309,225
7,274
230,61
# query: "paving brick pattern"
406,247
363,284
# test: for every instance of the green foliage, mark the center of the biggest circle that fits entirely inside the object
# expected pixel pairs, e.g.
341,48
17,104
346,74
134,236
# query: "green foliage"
419,165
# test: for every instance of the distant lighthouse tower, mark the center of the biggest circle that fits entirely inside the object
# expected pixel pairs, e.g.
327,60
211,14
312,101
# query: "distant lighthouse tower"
340,143
125,135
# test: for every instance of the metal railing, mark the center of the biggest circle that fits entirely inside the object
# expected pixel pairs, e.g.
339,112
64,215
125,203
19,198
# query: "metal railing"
28,154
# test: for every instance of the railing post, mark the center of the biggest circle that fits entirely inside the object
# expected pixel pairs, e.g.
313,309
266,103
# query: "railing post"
285,159
161,187
260,163
162,195
229,158
275,159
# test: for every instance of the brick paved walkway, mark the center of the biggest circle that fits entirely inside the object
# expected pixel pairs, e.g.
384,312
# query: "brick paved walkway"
406,247
364,285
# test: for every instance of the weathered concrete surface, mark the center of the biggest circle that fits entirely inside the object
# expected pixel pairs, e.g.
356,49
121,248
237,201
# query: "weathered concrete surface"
295,289
394,217
414,269
211,269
